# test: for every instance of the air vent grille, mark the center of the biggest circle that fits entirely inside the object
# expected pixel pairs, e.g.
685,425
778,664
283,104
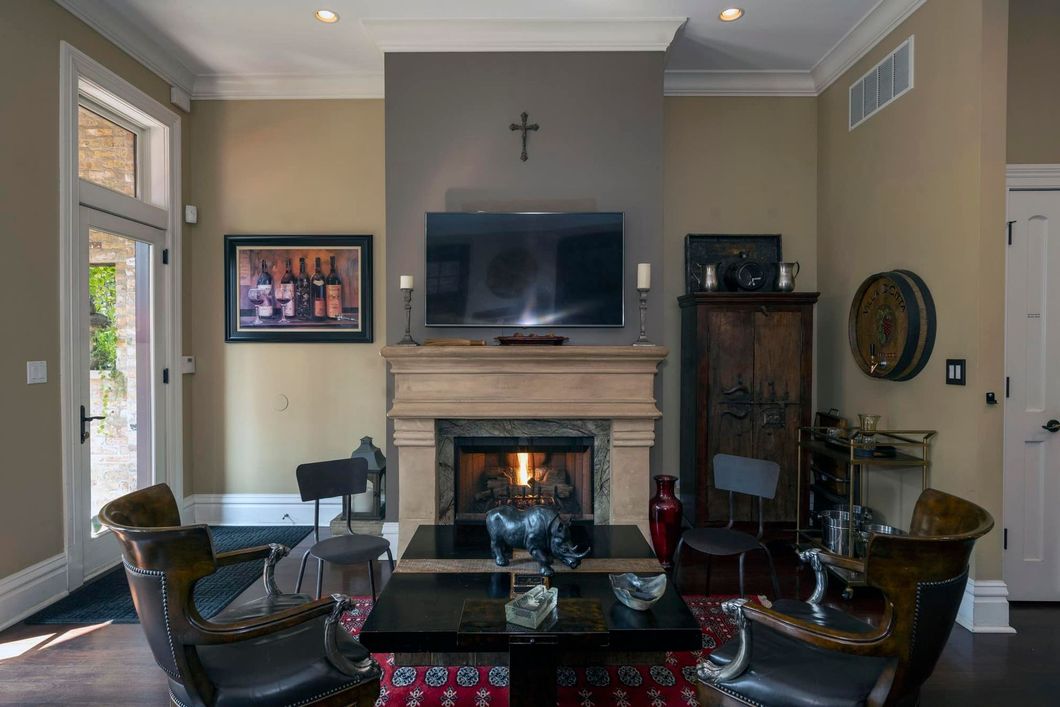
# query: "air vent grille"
882,84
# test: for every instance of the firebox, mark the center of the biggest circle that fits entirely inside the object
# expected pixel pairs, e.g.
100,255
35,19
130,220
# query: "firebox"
522,472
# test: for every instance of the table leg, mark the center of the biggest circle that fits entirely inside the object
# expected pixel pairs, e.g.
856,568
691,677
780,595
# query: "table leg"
532,671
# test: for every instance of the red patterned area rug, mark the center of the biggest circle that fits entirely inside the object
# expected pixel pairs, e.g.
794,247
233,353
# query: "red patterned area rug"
671,684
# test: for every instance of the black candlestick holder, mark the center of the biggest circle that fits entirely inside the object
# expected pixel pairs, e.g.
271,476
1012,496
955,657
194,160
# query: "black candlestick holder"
408,340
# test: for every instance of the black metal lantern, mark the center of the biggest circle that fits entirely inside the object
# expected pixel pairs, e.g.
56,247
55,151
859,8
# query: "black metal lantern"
376,477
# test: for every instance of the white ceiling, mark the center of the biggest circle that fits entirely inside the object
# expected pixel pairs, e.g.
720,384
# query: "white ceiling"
275,48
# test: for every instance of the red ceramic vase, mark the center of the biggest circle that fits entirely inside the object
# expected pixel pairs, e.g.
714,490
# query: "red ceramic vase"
664,519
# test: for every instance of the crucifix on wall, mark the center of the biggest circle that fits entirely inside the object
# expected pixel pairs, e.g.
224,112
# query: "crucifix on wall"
524,128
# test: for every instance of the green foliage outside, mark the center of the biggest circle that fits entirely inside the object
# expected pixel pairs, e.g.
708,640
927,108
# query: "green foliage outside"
102,293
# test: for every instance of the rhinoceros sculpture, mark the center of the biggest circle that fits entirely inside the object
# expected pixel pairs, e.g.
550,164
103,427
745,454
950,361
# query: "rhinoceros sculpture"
538,529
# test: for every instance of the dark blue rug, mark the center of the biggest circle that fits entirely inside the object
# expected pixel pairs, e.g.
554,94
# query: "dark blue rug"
107,598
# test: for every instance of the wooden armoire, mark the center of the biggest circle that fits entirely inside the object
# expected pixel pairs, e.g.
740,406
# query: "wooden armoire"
746,388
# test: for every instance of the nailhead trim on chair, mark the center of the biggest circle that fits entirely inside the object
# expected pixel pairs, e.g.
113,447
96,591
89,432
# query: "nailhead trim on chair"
322,695
733,693
175,700
962,577
165,613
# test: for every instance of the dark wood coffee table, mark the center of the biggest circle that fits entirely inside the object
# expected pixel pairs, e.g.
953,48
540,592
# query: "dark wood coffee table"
420,615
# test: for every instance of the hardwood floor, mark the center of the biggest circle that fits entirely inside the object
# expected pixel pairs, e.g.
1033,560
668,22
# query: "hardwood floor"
111,665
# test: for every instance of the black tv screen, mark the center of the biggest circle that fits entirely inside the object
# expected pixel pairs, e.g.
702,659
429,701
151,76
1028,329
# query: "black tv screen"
524,269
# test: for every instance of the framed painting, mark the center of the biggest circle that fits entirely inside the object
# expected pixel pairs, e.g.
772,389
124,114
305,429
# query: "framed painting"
298,288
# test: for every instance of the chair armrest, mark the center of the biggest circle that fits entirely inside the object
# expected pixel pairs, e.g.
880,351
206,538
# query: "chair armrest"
272,553
245,554
202,632
873,643
854,643
817,559
847,563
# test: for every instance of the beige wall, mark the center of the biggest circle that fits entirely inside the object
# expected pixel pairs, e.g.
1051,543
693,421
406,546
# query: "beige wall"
31,471
1033,88
733,165
281,167
920,185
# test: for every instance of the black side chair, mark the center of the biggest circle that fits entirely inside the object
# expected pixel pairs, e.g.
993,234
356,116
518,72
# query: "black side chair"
754,477
341,477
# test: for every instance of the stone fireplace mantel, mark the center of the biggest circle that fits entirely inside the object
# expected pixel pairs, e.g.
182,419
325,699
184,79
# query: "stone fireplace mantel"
431,383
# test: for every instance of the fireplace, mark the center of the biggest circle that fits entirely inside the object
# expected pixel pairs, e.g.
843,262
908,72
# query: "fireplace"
442,393
523,472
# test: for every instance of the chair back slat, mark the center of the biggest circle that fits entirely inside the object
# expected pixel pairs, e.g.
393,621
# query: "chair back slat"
331,479
754,477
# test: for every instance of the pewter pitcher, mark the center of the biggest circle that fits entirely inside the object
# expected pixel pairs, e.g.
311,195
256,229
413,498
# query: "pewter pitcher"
786,274
708,277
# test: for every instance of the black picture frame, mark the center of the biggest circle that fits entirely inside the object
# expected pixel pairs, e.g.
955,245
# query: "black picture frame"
725,249
353,254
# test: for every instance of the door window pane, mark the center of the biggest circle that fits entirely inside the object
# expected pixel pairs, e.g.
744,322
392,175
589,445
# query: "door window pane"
106,152
119,361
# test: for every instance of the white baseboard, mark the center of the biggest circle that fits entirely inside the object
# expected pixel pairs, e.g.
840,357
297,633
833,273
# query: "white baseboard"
266,509
27,591
390,532
984,607
257,509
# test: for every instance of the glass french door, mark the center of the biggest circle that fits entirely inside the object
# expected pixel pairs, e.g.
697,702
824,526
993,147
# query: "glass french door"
119,410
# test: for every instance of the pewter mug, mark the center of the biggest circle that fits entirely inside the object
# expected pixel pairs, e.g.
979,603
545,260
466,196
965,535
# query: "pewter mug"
708,279
786,274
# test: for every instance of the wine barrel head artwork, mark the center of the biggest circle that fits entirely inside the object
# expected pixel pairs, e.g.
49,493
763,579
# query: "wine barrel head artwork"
892,325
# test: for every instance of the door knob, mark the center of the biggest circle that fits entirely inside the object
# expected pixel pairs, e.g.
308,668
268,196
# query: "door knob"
87,419
1052,426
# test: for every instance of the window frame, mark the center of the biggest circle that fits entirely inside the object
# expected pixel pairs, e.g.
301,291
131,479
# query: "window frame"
141,157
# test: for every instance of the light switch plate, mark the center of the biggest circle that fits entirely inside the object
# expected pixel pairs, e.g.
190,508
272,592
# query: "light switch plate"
187,364
191,214
36,372
956,369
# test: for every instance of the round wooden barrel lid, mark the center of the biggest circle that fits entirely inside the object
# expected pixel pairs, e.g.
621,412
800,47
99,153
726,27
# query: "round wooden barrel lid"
892,325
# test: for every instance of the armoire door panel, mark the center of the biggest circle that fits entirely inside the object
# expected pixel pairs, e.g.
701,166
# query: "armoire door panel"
776,429
778,351
731,431
730,351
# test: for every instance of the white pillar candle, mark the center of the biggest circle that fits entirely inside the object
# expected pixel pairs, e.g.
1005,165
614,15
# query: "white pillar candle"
406,282
644,276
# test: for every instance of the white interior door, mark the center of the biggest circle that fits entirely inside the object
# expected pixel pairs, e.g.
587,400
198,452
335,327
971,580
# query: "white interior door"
1032,410
119,408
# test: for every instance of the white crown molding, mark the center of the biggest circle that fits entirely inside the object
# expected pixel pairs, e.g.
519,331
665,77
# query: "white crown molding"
499,35
862,37
603,34
738,83
287,86
1033,176
132,40
984,607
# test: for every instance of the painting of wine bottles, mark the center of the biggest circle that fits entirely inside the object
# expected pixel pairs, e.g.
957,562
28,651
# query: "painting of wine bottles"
298,288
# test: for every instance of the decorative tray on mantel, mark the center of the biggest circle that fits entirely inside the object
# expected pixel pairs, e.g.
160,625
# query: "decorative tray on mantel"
532,340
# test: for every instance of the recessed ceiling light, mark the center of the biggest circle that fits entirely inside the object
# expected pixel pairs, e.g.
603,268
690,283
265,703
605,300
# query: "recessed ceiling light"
731,14
328,16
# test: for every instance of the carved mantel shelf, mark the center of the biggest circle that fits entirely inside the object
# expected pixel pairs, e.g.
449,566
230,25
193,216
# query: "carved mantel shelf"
612,383
526,382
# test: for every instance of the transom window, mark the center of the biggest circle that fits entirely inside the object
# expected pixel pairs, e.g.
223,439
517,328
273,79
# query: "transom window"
108,149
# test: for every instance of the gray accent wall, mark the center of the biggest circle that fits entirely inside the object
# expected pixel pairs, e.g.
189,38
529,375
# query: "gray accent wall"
449,148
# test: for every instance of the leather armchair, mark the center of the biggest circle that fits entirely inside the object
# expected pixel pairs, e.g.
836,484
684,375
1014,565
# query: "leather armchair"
807,654
283,649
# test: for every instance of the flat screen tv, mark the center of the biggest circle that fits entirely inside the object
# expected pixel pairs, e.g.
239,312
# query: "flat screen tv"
524,269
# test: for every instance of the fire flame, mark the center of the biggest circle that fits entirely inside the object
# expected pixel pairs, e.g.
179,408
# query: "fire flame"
522,475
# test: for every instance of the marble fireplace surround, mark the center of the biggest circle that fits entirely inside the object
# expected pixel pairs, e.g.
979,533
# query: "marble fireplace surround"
610,388
448,430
